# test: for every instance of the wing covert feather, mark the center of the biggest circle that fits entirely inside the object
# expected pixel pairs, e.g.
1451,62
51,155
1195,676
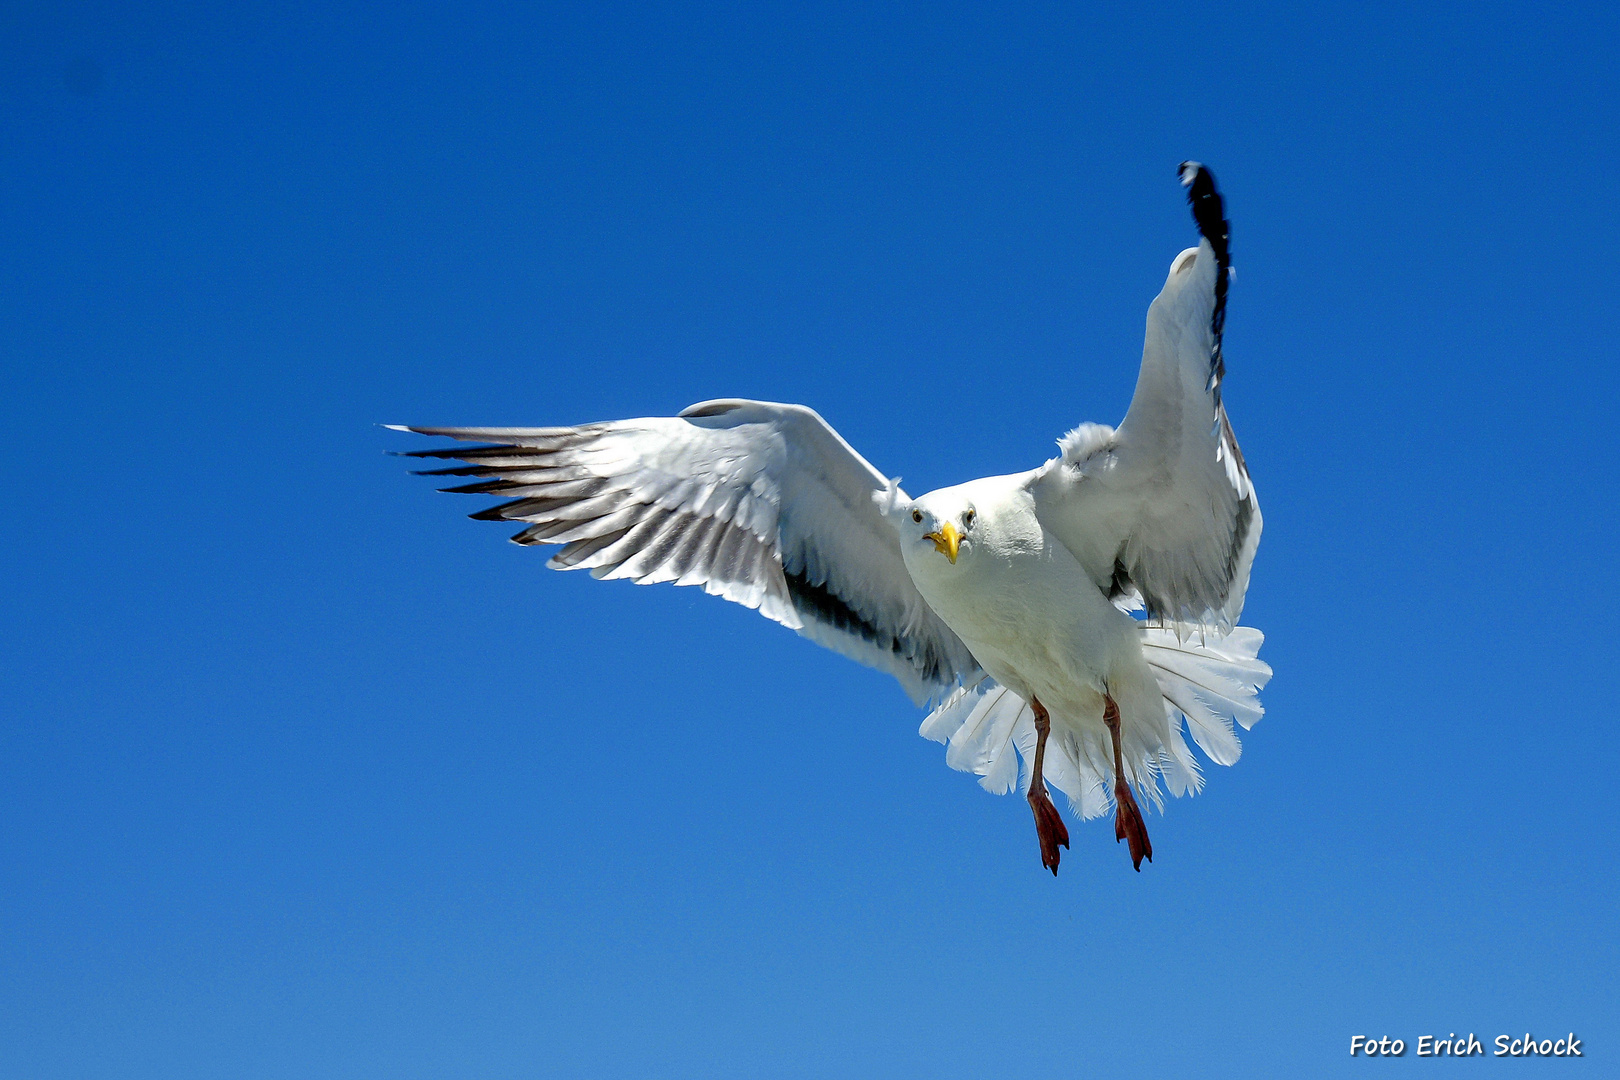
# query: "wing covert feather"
760,503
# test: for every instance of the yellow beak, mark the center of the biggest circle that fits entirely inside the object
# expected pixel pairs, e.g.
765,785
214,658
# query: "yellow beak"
946,541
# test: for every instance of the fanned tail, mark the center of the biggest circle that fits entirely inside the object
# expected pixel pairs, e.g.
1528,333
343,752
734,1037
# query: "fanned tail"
990,731
1207,680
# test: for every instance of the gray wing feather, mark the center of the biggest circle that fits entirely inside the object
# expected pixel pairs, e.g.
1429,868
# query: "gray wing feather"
1163,509
760,503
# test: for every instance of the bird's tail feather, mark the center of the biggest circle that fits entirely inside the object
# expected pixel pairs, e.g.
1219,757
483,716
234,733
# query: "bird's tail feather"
1208,680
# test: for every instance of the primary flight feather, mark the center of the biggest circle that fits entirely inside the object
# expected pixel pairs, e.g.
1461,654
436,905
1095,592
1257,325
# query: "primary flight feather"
1068,622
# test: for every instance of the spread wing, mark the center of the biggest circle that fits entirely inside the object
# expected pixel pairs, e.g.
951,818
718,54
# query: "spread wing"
763,504
1163,508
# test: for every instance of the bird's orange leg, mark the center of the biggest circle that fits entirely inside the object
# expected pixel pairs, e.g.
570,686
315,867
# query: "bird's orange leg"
1128,824
1048,825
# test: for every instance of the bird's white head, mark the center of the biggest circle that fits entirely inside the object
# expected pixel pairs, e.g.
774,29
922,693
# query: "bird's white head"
938,526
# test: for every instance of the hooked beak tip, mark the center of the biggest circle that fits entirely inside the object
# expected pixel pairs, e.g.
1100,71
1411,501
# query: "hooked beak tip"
947,541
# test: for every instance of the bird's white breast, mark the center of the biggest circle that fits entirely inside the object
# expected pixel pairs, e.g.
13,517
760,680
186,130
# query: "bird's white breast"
1021,602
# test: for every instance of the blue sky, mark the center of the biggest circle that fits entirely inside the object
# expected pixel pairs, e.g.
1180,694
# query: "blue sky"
303,774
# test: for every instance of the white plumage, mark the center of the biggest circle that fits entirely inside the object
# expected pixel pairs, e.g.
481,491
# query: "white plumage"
1030,598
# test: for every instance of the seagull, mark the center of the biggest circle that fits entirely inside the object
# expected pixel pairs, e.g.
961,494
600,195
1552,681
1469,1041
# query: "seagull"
1066,624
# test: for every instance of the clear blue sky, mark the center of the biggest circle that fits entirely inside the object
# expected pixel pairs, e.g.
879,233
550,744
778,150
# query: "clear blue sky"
302,774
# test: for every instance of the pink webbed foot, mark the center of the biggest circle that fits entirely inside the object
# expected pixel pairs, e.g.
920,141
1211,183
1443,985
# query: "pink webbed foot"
1049,827
1128,825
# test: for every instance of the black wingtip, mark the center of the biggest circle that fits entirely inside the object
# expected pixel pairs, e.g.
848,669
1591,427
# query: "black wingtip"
1209,209
486,487
1209,212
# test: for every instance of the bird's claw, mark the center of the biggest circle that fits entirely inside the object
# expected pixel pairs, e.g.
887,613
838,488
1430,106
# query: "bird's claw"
1128,825
1049,827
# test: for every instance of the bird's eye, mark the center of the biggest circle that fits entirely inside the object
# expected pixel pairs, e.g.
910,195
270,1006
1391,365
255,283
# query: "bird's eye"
967,520
916,515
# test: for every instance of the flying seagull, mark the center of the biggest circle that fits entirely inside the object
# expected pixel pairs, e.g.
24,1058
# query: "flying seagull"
1077,617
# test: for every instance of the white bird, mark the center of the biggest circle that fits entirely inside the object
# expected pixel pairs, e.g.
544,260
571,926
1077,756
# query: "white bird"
1072,616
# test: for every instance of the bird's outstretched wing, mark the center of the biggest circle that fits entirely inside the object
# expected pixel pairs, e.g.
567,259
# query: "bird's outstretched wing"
1163,509
763,504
